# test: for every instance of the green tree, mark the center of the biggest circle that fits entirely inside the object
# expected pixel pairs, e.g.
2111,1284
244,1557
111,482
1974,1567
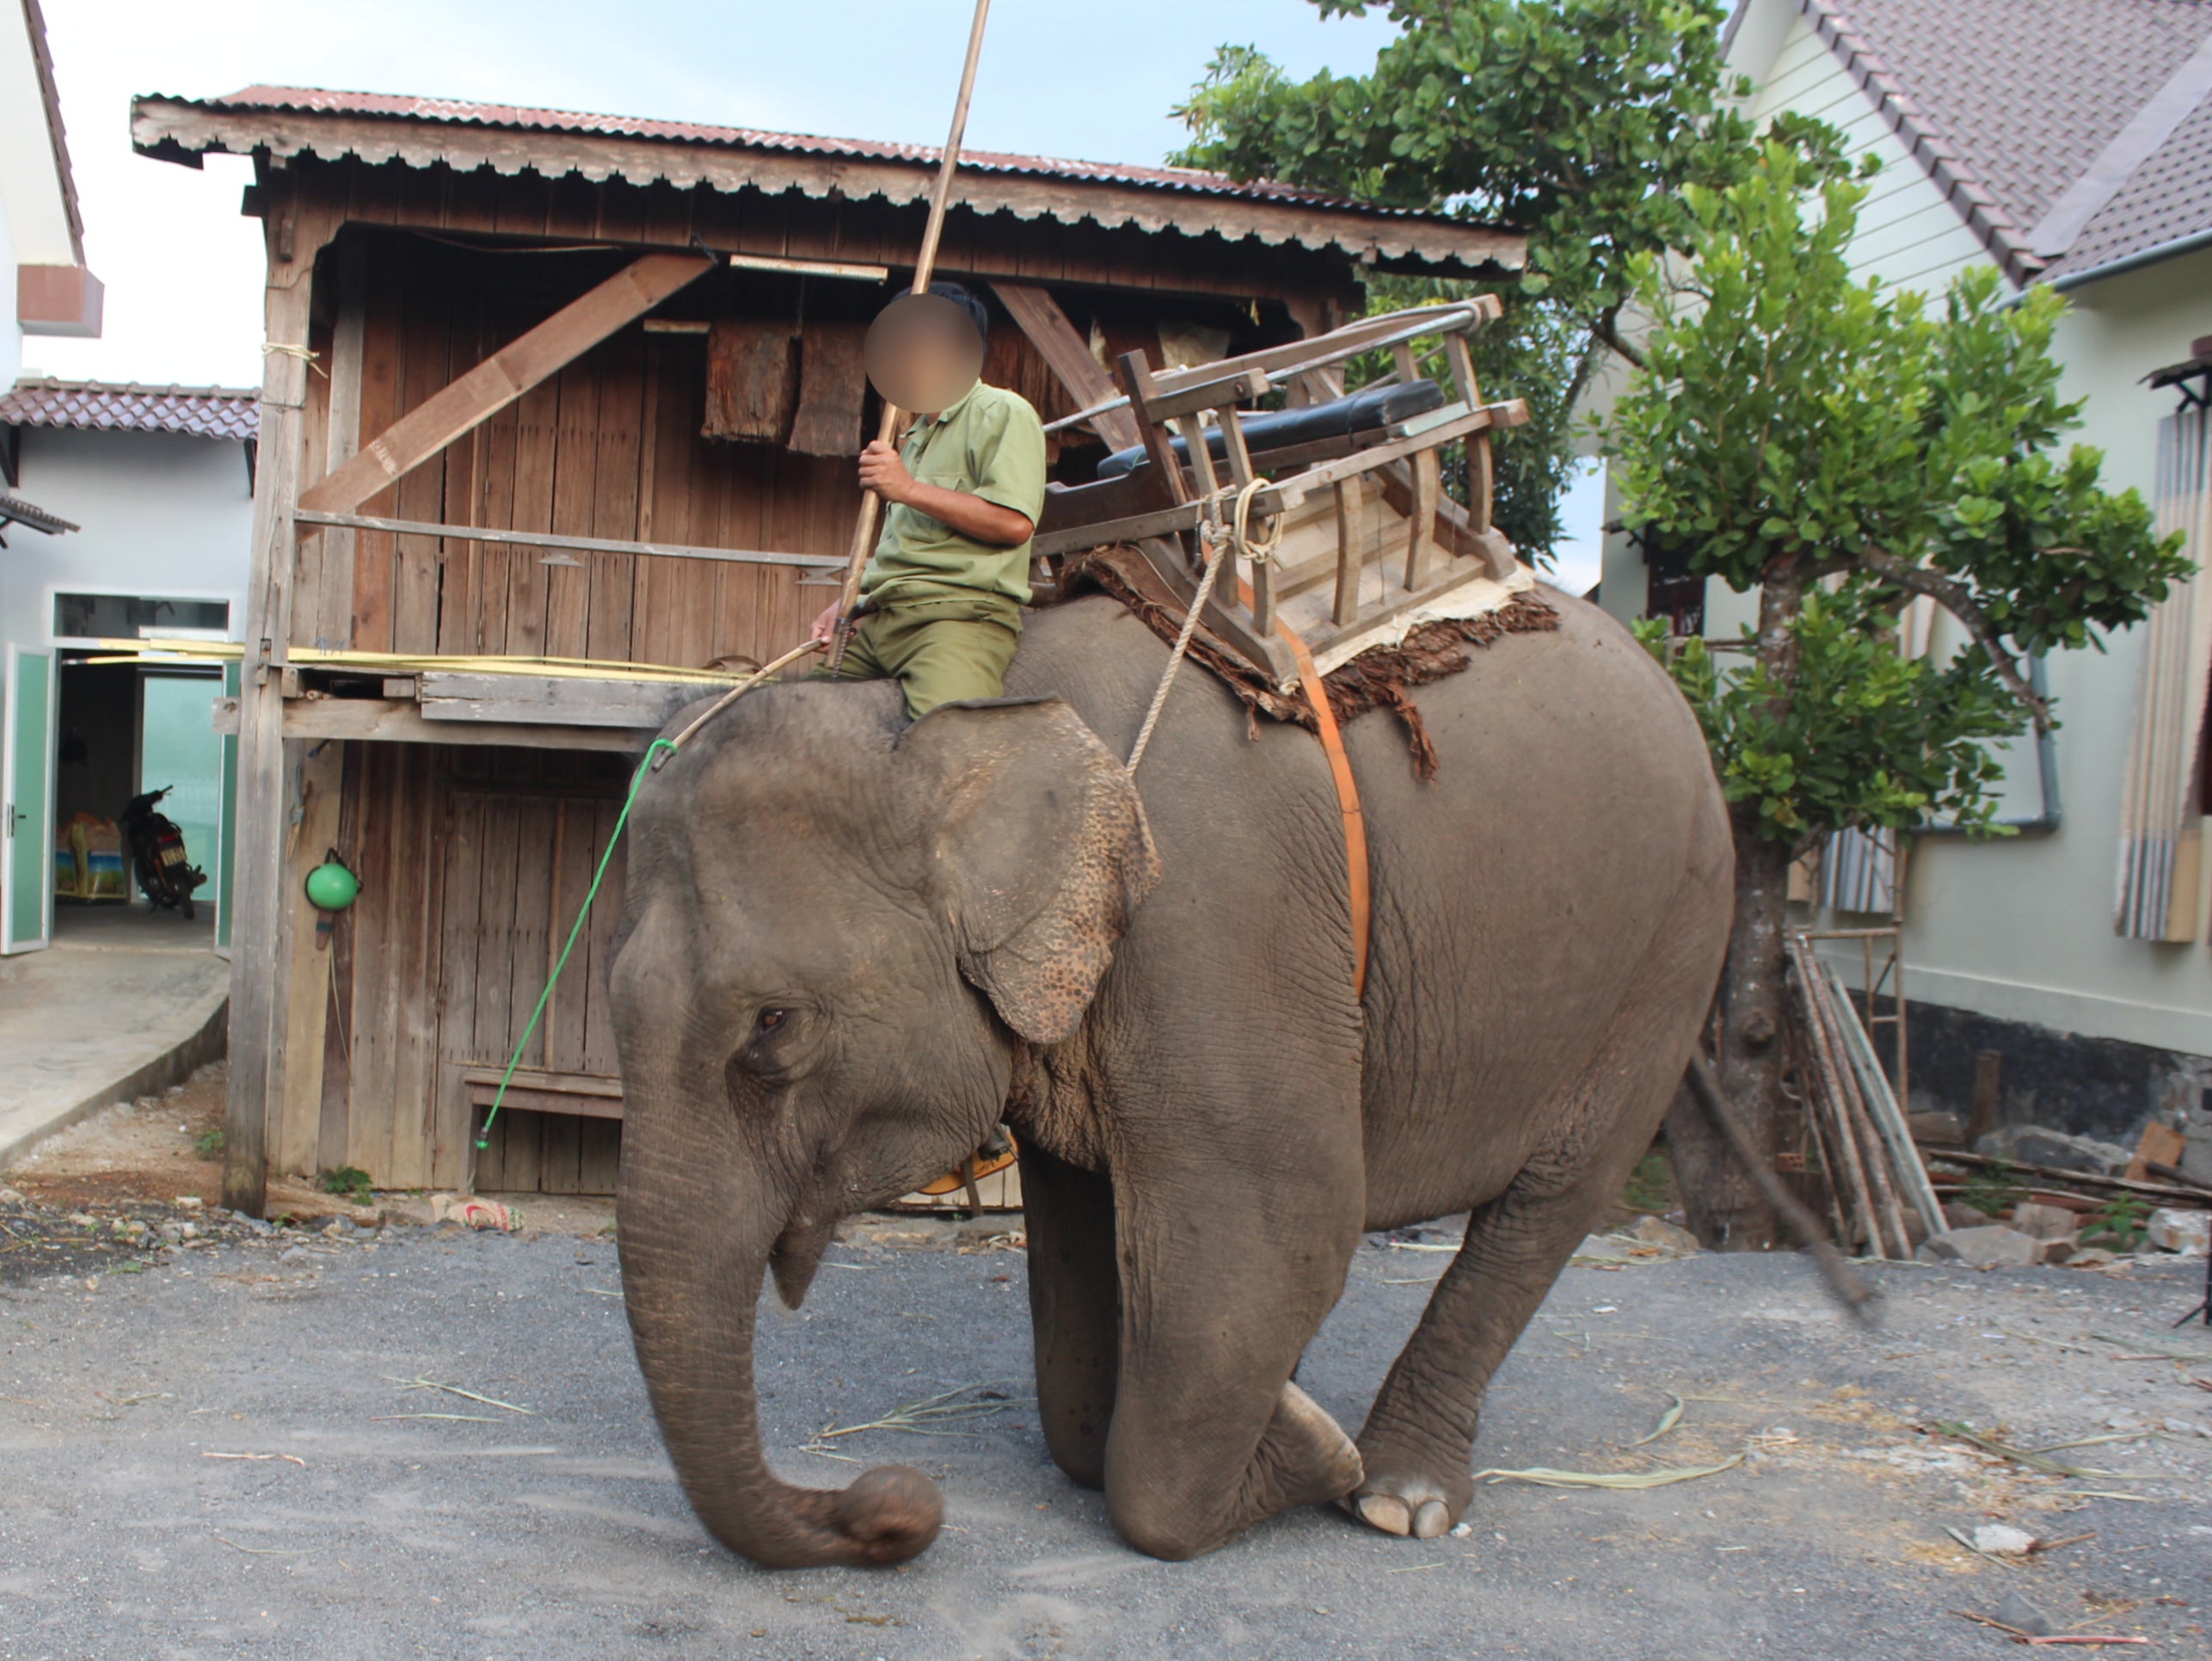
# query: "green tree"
1581,120
1841,448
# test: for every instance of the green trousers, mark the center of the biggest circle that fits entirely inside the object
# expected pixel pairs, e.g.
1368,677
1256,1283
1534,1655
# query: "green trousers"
937,650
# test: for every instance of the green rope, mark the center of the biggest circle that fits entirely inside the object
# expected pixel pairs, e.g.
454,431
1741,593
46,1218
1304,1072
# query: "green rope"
636,783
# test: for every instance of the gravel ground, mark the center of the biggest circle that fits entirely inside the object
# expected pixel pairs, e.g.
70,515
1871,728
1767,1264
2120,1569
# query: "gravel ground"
211,1449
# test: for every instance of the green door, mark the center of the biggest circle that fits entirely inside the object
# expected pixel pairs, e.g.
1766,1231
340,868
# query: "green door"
27,801
179,752
226,835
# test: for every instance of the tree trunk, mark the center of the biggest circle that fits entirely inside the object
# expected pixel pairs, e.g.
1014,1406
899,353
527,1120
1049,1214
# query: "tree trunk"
1721,1200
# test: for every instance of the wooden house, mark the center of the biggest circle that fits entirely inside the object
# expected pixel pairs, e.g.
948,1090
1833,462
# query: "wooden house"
588,389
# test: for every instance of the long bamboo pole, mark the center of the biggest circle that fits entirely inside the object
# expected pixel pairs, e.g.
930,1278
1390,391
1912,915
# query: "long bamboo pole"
871,505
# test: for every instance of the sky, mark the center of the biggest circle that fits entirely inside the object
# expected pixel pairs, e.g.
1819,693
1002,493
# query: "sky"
182,267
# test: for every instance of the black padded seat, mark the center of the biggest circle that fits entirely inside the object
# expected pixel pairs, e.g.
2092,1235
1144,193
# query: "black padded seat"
1281,429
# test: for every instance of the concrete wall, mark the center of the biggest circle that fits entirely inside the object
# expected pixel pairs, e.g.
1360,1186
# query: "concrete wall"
2023,930
11,332
162,514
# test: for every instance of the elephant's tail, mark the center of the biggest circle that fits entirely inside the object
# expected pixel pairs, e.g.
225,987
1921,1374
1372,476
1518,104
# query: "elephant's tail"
1846,1284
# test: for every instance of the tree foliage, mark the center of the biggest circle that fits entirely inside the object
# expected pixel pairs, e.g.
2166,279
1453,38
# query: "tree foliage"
1579,120
1795,428
1864,736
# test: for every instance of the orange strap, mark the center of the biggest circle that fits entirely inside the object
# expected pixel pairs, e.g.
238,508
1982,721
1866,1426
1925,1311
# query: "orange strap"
1356,868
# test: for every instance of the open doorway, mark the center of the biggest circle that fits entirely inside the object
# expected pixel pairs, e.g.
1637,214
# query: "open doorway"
122,729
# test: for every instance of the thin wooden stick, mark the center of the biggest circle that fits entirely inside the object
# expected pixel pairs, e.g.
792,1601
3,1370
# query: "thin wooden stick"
1853,1112
1842,1147
1848,1289
731,697
1857,1114
871,505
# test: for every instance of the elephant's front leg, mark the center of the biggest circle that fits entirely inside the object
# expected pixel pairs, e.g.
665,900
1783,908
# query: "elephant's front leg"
1074,1307
1226,1273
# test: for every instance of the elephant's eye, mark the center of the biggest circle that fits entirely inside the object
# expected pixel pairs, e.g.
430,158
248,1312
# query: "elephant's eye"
772,1019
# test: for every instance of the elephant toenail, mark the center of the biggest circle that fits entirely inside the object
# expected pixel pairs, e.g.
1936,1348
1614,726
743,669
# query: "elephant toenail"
1431,1520
1386,1512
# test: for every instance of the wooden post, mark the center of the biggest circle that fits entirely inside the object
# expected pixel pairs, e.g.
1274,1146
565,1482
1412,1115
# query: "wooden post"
1137,382
258,967
1346,601
1421,522
1988,1092
331,622
1240,474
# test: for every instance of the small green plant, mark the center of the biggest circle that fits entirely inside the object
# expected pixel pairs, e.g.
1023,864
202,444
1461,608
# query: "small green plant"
2119,1224
1651,1186
208,1144
349,1181
1992,1192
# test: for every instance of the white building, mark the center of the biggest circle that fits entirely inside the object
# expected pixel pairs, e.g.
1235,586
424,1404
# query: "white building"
123,512
2067,144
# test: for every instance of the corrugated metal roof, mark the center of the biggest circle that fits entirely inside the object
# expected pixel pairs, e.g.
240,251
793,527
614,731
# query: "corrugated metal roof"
2011,104
205,412
419,133
465,113
751,138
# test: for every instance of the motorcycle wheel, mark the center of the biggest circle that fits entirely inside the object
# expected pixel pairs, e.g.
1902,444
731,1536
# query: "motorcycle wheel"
189,910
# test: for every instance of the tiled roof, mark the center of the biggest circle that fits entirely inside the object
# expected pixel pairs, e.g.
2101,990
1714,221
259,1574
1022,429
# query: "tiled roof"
14,510
2167,198
2018,106
205,412
421,133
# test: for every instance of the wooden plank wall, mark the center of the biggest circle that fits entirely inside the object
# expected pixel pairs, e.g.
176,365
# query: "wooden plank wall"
473,864
611,447
526,848
474,861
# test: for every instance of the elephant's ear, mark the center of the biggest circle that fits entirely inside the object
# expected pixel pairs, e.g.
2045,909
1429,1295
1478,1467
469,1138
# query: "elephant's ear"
1041,853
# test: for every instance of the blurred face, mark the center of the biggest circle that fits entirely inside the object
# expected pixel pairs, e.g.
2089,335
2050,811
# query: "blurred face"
924,352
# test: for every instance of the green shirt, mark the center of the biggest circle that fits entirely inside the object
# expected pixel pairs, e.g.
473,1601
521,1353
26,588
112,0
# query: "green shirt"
990,444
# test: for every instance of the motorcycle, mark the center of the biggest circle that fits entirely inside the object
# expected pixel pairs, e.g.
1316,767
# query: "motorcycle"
166,877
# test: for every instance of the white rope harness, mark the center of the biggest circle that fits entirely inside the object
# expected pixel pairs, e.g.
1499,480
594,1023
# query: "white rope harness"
1220,539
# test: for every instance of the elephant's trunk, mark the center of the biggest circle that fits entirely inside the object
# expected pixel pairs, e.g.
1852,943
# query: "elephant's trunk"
694,1244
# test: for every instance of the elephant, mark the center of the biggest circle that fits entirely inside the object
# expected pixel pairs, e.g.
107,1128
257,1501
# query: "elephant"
853,946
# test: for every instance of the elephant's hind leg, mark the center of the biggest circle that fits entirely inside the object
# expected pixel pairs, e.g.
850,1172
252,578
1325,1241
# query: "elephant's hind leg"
1074,1308
1420,1434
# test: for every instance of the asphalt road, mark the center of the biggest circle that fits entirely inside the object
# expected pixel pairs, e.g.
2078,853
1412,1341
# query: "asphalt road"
210,1456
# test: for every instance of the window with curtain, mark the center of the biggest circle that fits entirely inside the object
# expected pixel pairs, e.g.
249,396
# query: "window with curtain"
2161,817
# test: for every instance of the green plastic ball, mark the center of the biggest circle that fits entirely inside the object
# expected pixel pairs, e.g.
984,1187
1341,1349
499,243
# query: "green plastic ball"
331,886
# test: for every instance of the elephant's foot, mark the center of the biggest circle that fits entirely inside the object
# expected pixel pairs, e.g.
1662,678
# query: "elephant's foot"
1307,1453
1399,1499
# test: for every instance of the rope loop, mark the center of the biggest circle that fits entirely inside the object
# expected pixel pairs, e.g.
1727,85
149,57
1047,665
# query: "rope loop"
1219,540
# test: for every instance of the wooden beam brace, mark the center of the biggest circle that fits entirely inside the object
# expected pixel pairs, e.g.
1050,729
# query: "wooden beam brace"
1068,356
390,719
1245,385
502,378
447,696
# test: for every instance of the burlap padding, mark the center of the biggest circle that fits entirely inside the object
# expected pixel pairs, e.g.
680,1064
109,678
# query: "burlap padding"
1379,679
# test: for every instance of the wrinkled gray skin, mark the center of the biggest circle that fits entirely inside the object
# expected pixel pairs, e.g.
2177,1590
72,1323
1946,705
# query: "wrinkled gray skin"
1207,1119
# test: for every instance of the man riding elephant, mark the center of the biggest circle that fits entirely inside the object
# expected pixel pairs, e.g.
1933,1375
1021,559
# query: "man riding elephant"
941,598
